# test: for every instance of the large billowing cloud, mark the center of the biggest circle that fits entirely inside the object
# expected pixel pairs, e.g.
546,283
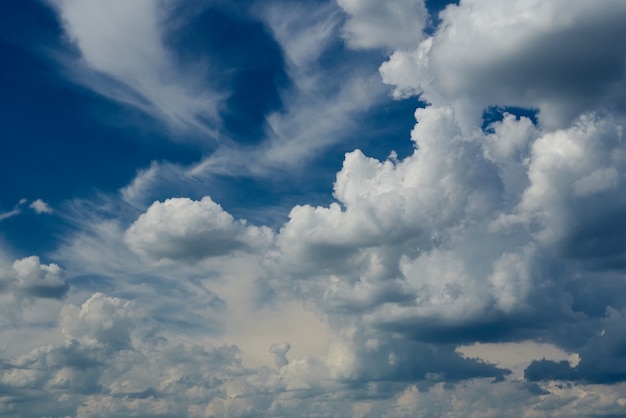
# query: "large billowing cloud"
576,190
405,227
25,281
494,236
551,194
560,57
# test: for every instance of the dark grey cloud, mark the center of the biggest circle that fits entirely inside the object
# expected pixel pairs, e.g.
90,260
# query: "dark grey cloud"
549,370
601,357
398,360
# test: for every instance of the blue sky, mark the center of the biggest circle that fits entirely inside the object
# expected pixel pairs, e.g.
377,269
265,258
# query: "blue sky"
324,208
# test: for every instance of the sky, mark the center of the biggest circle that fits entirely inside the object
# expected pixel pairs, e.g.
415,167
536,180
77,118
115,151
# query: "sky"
317,208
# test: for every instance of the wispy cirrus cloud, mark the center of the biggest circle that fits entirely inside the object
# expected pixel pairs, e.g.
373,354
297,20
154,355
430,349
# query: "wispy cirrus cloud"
123,55
322,105
38,206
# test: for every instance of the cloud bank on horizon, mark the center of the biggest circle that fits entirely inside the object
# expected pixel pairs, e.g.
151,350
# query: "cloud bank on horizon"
481,272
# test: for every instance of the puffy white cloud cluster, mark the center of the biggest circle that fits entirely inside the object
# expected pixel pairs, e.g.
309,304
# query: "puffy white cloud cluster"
45,280
400,236
550,195
182,228
114,362
100,320
575,184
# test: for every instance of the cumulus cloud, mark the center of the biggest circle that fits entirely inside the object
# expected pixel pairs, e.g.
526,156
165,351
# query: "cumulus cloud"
530,54
114,362
383,197
100,320
394,215
36,279
469,239
570,172
280,353
30,278
182,228
9,214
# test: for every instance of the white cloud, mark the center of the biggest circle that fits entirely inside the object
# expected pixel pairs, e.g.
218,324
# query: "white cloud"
39,206
386,201
30,276
141,185
399,230
570,172
482,398
321,107
512,278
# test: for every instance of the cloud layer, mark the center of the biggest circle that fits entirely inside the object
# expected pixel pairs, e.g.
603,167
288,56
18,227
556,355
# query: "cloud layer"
412,293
